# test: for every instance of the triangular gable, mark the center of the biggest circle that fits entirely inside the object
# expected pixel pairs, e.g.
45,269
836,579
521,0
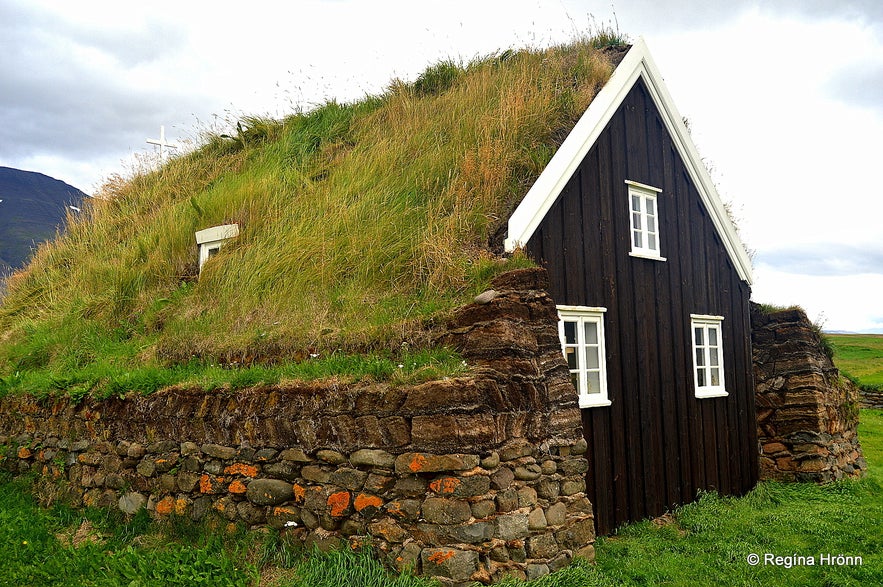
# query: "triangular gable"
542,195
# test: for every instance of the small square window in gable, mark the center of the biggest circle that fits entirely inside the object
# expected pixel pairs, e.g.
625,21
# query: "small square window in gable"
644,221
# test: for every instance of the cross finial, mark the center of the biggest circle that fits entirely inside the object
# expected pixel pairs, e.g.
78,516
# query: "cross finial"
163,144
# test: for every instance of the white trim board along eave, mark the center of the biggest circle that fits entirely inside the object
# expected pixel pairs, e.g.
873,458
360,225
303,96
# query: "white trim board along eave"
637,63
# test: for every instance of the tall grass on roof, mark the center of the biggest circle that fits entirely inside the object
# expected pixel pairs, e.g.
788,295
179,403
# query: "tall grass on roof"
359,222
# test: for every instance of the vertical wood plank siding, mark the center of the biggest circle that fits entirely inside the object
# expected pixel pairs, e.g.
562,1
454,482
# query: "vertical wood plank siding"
657,445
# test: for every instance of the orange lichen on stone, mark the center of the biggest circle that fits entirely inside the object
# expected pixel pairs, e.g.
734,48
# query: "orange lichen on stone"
24,452
441,556
209,484
417,463
242,469
338,502
165,506
181,506
237,487
445,485
364,500
299,493
281,510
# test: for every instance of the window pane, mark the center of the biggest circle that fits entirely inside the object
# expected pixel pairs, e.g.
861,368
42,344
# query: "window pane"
636,203
570,333
715,376
712,336
636,221
700,357
574,378
700,377
712,355
594,380
700,339
651,224
651,242
572,358
637,239
651,207
591,333
592,358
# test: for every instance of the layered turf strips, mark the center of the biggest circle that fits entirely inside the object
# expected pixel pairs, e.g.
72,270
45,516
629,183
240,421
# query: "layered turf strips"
360,224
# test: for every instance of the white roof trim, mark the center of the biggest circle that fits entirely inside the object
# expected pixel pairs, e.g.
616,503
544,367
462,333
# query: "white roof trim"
542,195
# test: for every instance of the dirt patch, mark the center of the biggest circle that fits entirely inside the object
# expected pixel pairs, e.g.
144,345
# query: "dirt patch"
668,520
84,534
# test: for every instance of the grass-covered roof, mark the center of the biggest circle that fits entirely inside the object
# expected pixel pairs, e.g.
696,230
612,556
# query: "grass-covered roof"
359,223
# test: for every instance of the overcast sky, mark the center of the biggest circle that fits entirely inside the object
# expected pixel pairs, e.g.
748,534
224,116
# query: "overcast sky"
784,98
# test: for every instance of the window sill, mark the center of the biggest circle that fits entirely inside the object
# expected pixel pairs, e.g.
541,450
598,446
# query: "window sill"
705,394
647,256
596,404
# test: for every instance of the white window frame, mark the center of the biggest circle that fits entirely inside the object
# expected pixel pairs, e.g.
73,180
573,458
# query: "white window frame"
582,315
704,350
210,240
640,221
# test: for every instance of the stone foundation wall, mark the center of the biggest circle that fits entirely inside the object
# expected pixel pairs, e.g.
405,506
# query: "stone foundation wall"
469,478
807,414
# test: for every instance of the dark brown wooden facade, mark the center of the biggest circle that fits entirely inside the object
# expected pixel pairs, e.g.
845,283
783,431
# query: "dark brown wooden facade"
656,445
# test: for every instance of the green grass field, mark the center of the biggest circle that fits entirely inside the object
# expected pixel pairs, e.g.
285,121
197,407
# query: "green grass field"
860,356
708,542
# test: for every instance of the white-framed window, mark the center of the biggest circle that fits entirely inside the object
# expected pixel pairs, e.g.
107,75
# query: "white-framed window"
581,330
210,240
708,355
644,220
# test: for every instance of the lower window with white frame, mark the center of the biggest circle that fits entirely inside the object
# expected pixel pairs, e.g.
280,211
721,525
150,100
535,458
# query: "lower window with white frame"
581,330
708,355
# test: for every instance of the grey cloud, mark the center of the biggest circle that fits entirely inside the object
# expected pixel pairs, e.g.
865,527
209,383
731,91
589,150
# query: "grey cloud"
861,85
54,103
643,15
143,43
824,259
869,10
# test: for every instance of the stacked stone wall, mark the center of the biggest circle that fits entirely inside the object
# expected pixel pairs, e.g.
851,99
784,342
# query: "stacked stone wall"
465,479
807,414
872,399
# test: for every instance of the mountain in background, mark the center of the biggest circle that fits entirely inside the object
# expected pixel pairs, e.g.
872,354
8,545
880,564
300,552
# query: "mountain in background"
32,208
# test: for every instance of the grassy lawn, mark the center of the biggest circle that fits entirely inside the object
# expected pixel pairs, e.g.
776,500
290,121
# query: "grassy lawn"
704,543
860,356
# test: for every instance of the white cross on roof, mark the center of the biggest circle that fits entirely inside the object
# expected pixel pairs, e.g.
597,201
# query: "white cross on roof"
163,144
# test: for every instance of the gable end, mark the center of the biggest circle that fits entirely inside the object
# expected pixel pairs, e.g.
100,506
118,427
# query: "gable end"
637,64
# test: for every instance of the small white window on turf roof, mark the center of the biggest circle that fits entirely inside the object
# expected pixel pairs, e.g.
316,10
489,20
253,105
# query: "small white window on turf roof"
211,239
581,330
708,355
644,221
